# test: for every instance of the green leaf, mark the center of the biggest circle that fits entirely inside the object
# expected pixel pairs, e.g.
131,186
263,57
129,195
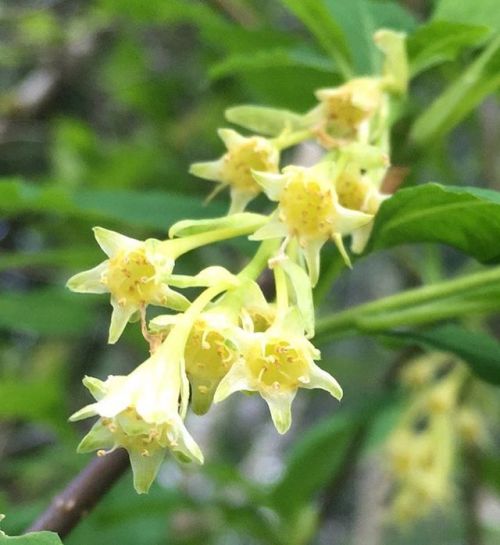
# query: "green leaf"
75,257
473,12
49,311
321,452
480,79
489,469
34,400
356,20
318,19
267,121
359,19
466,218
316,458
441,41
154,209
479,350
36,538
269,59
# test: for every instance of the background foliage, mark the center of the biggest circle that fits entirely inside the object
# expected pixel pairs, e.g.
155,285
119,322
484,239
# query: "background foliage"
104,105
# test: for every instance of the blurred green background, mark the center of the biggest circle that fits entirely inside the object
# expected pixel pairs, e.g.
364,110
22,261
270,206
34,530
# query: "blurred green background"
103,105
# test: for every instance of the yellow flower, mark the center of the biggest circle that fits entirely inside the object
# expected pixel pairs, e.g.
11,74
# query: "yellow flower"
276,363
308,210
344,109
140,412
212,346
136,275
356,191
234,168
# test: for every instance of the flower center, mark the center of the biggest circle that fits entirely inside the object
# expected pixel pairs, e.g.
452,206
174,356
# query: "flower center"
280,367
254,154
130,277
307,207
354,102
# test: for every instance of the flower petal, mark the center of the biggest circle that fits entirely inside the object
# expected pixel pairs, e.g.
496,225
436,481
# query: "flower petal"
231,138
172,299
187,448
341,248
360,237
208,170
99,437
89,281
349,220
119,319
239,200
312,250
145,467
274,228
85,412
280,406
112,242
96,387
236,380
272,184
319,378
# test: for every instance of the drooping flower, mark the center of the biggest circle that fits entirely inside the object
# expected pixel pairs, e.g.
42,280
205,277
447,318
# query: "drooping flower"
308,210
234,168
276,363
212,346
140,412
135,274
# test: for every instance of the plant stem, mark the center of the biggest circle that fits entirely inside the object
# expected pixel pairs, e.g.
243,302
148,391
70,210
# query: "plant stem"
183,245
347,319
425,314
281,292
259,261
287,140
82,494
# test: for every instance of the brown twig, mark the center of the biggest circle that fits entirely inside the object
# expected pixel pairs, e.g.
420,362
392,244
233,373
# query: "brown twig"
82,494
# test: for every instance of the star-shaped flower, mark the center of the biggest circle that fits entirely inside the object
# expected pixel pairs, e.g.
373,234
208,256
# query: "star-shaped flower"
276,363
308,210
212,346
135,274
234,168
140,412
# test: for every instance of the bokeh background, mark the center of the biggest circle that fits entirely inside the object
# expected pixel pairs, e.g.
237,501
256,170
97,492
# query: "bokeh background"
103,105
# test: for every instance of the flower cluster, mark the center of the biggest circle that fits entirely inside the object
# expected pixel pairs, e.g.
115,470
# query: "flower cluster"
231,338
422,448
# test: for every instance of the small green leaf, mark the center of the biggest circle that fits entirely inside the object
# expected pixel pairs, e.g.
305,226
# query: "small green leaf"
476,82
441,41
473,12
466,218
45,399
267,121
154,209
49,311
320,453
317,18
36,538
313,462
269,59
480,351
